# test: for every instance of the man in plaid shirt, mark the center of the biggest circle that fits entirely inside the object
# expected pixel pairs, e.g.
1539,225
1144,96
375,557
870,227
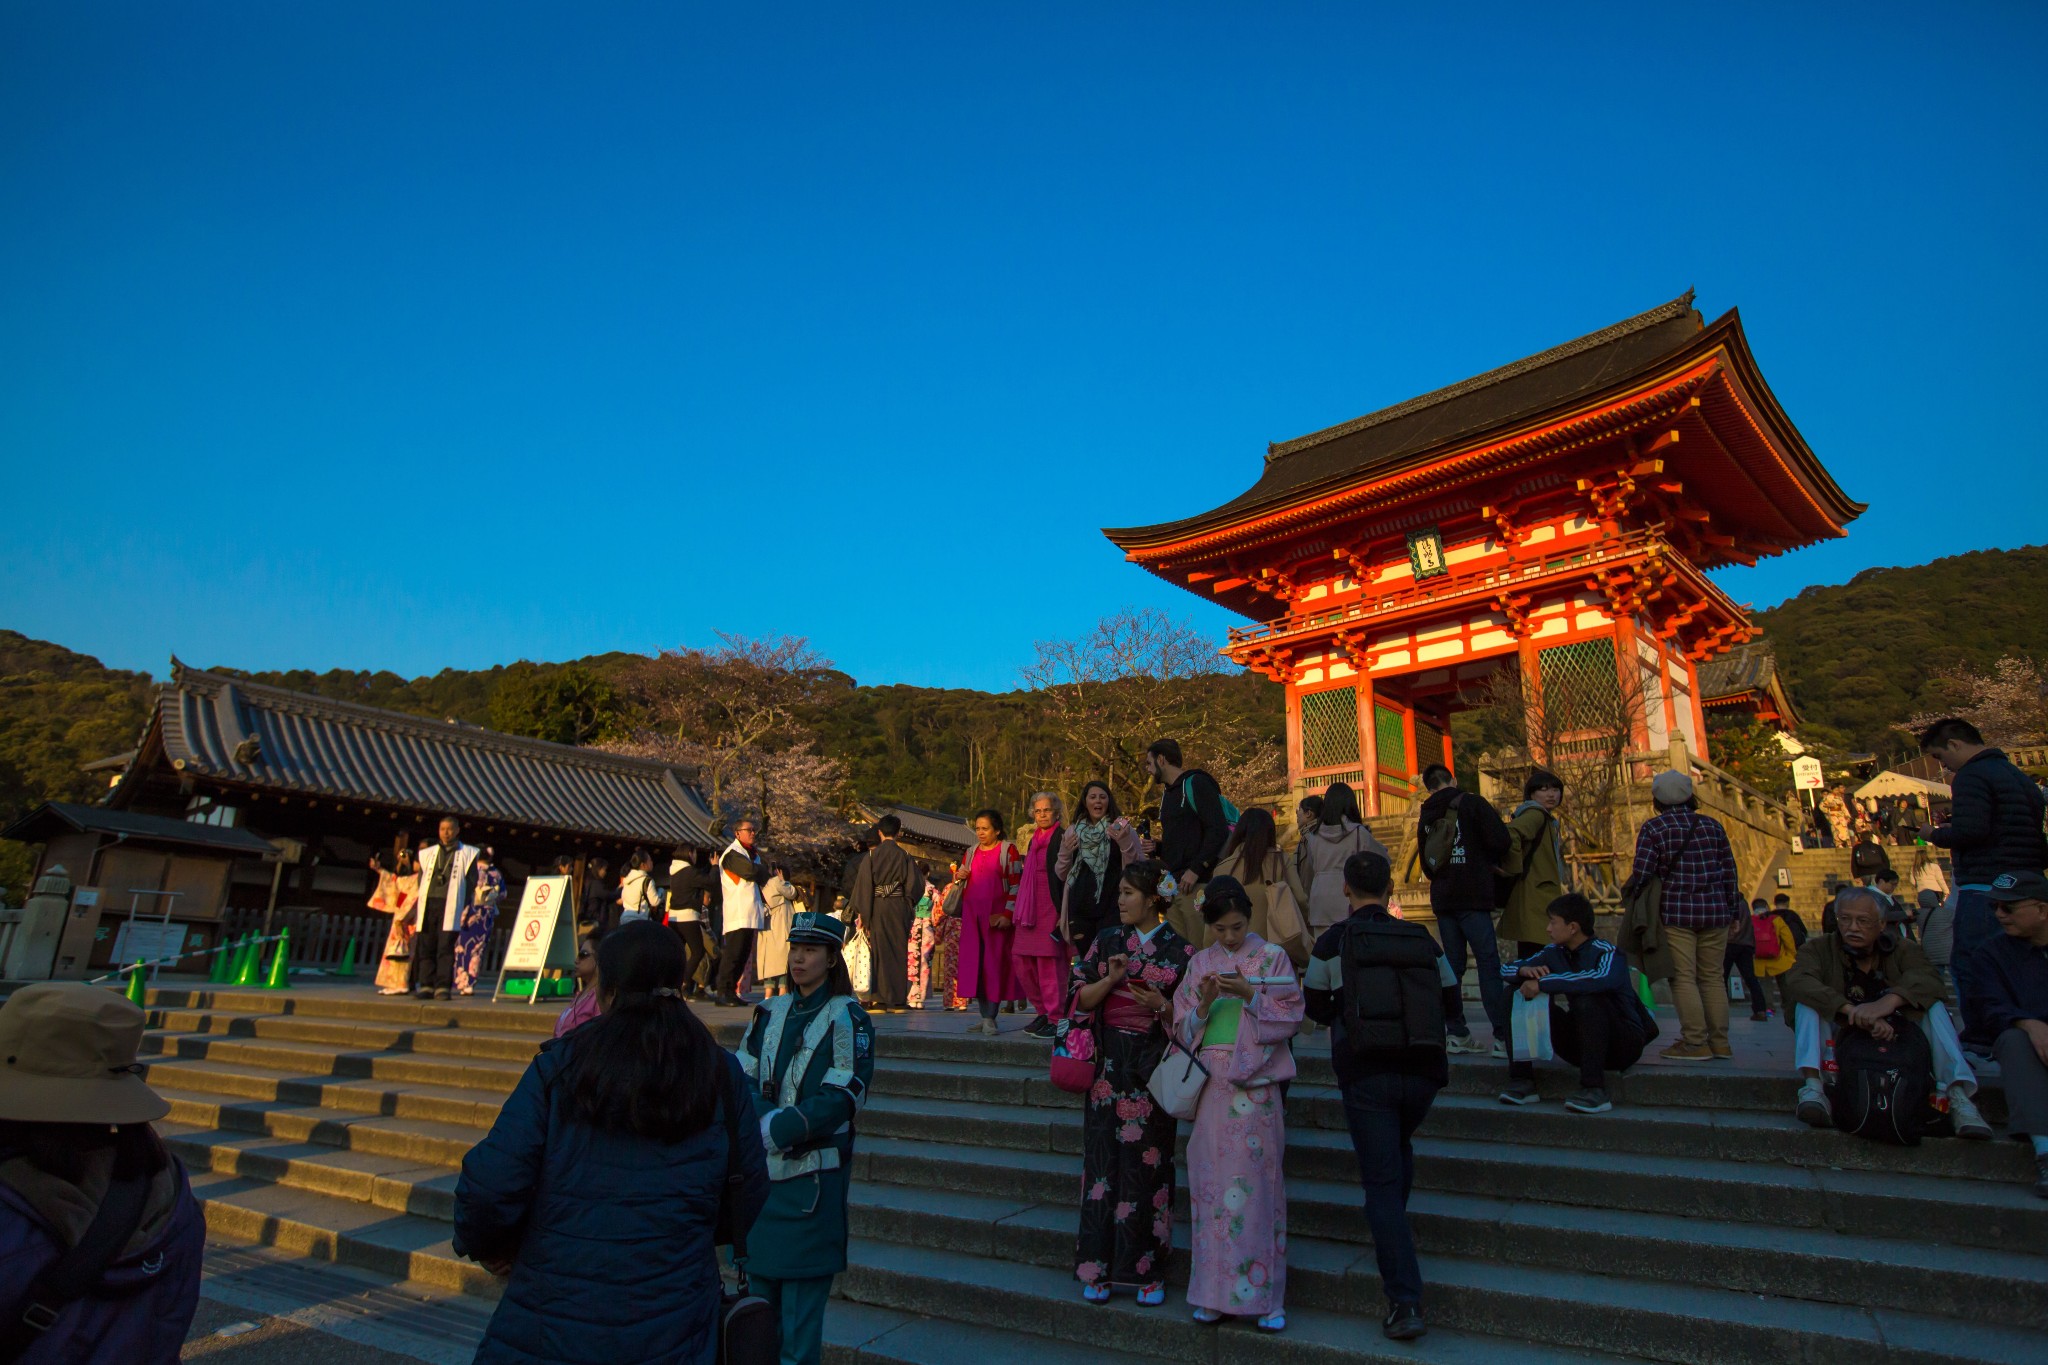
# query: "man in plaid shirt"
1688,852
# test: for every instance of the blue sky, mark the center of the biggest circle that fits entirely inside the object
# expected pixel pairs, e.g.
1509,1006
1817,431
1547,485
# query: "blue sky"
404,336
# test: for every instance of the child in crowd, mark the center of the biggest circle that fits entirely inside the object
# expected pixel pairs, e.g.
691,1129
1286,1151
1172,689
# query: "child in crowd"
1129,976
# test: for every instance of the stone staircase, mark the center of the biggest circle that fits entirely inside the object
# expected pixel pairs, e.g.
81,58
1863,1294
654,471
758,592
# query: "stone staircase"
1698,1223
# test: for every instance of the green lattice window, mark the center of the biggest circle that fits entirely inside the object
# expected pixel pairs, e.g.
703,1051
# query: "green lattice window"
1582,701
1429,744
1329,727
1393,739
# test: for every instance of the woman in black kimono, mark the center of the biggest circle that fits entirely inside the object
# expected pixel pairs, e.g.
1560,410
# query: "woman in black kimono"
1129,975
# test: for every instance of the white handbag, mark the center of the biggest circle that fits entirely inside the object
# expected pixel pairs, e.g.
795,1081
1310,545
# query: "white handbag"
860,962
1178,1080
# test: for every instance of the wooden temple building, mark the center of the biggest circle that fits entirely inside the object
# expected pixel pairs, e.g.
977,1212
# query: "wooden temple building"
1559,515
243,797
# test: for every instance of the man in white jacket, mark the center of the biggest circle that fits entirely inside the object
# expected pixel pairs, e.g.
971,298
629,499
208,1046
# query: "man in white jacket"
447,885
741,873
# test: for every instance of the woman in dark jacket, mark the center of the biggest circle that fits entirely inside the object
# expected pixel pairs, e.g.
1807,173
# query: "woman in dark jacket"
597,1191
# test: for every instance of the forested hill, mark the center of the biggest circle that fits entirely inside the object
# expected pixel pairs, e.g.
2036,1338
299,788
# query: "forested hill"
1859,656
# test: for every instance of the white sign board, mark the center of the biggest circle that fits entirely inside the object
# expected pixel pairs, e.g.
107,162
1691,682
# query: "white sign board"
146,940
534,934
1806,774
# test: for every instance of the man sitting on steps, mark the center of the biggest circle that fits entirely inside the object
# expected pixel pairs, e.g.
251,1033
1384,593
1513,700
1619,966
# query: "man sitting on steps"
2009,1009
1860,977
1596,1019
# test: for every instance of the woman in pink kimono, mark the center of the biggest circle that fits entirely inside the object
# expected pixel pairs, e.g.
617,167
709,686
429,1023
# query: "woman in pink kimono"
988,910
1238,1005
394,896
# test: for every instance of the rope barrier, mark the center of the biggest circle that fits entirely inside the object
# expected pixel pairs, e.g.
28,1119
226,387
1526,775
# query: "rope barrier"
170,961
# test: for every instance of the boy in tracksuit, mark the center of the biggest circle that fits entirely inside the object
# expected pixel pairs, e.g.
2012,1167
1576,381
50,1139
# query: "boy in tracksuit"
1596,1018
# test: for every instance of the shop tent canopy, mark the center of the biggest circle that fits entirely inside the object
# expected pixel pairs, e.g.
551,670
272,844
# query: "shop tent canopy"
1901,784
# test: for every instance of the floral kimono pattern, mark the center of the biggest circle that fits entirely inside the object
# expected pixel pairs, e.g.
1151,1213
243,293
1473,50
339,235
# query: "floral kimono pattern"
1237,1191
475,934
395,896
1127,1166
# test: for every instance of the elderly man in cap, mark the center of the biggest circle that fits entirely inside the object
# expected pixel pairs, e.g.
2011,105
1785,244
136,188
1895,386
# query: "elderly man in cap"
1863,977
100,1240
1689,854
810,1055
2009,1007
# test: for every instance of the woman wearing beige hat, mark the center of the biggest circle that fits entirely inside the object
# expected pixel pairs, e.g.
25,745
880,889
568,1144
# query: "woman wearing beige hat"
100,1240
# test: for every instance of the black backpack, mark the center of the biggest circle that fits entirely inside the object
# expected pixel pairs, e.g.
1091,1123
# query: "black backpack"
1881,1090
1440,839
1392,997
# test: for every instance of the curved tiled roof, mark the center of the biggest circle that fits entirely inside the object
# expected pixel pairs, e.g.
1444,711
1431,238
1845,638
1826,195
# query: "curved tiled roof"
270,738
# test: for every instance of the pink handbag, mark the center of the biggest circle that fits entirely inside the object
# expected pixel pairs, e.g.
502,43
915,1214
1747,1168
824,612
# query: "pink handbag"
1073,1050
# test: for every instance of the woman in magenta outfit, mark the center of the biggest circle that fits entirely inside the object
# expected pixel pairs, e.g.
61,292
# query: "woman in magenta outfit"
988,907
1238,1005
1040,954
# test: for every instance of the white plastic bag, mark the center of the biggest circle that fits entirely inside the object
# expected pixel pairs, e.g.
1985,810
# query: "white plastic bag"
1735,990
860,963
1529,1029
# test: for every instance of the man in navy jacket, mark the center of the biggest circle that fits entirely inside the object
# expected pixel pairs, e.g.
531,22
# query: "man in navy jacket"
1994,826
1596,1020
2010,1007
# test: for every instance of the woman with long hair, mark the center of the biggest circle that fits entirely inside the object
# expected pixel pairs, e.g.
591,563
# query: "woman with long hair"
637,897
596,1194
479,917
394,896
1236,1009
1092,855
810,1055
1252,858
1129,974
1340,832
988,907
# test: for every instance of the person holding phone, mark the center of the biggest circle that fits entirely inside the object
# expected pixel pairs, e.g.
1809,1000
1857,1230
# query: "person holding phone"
1129,974
1236,1008
1090,863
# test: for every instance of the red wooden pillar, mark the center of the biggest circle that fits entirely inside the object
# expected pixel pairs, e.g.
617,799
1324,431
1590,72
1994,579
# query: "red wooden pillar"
1532,684
1699,712
1369,744
1294,759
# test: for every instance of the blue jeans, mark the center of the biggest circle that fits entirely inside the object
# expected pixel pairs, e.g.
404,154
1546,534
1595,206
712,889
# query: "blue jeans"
1460,929
1976,925
1383,1111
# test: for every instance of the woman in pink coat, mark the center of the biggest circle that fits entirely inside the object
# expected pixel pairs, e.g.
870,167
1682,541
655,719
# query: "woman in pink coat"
988,909
1040,955
1237,1007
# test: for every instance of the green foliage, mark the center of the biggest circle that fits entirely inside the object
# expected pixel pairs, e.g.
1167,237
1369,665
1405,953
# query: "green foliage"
1750,750
563,703
1861,656
58,710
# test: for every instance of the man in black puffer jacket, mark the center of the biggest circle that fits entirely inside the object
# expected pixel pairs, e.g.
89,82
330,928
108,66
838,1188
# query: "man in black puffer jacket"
1461,865
1994,827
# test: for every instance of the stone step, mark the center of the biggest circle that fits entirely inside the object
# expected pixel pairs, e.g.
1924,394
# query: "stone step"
1046,1302
1972,1213
365,1004
353,1035
441,1104
1815,1266
420,1141
409,1166
317,1060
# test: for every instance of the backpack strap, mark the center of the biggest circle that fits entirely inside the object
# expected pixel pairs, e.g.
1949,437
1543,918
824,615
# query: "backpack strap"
68,1278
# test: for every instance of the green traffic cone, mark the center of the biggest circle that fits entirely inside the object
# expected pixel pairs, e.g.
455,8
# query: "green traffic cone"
348,960
280,975
223,968
138,989
245,970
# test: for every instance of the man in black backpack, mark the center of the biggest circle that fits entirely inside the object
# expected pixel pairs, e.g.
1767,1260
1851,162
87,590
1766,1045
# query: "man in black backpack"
1383,988
1862,978
1461,841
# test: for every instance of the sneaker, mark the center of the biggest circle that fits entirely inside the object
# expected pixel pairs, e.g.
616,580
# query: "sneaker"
1499,1052
1208,1317
1591,1100
425,992
1812,1108
1763,1016
1464,1045
1095,1293
1962,1111
1679,1052
1404,1322
1277,1322
1724,1056
1520,1091
1040,1028
444,995
1152,1295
